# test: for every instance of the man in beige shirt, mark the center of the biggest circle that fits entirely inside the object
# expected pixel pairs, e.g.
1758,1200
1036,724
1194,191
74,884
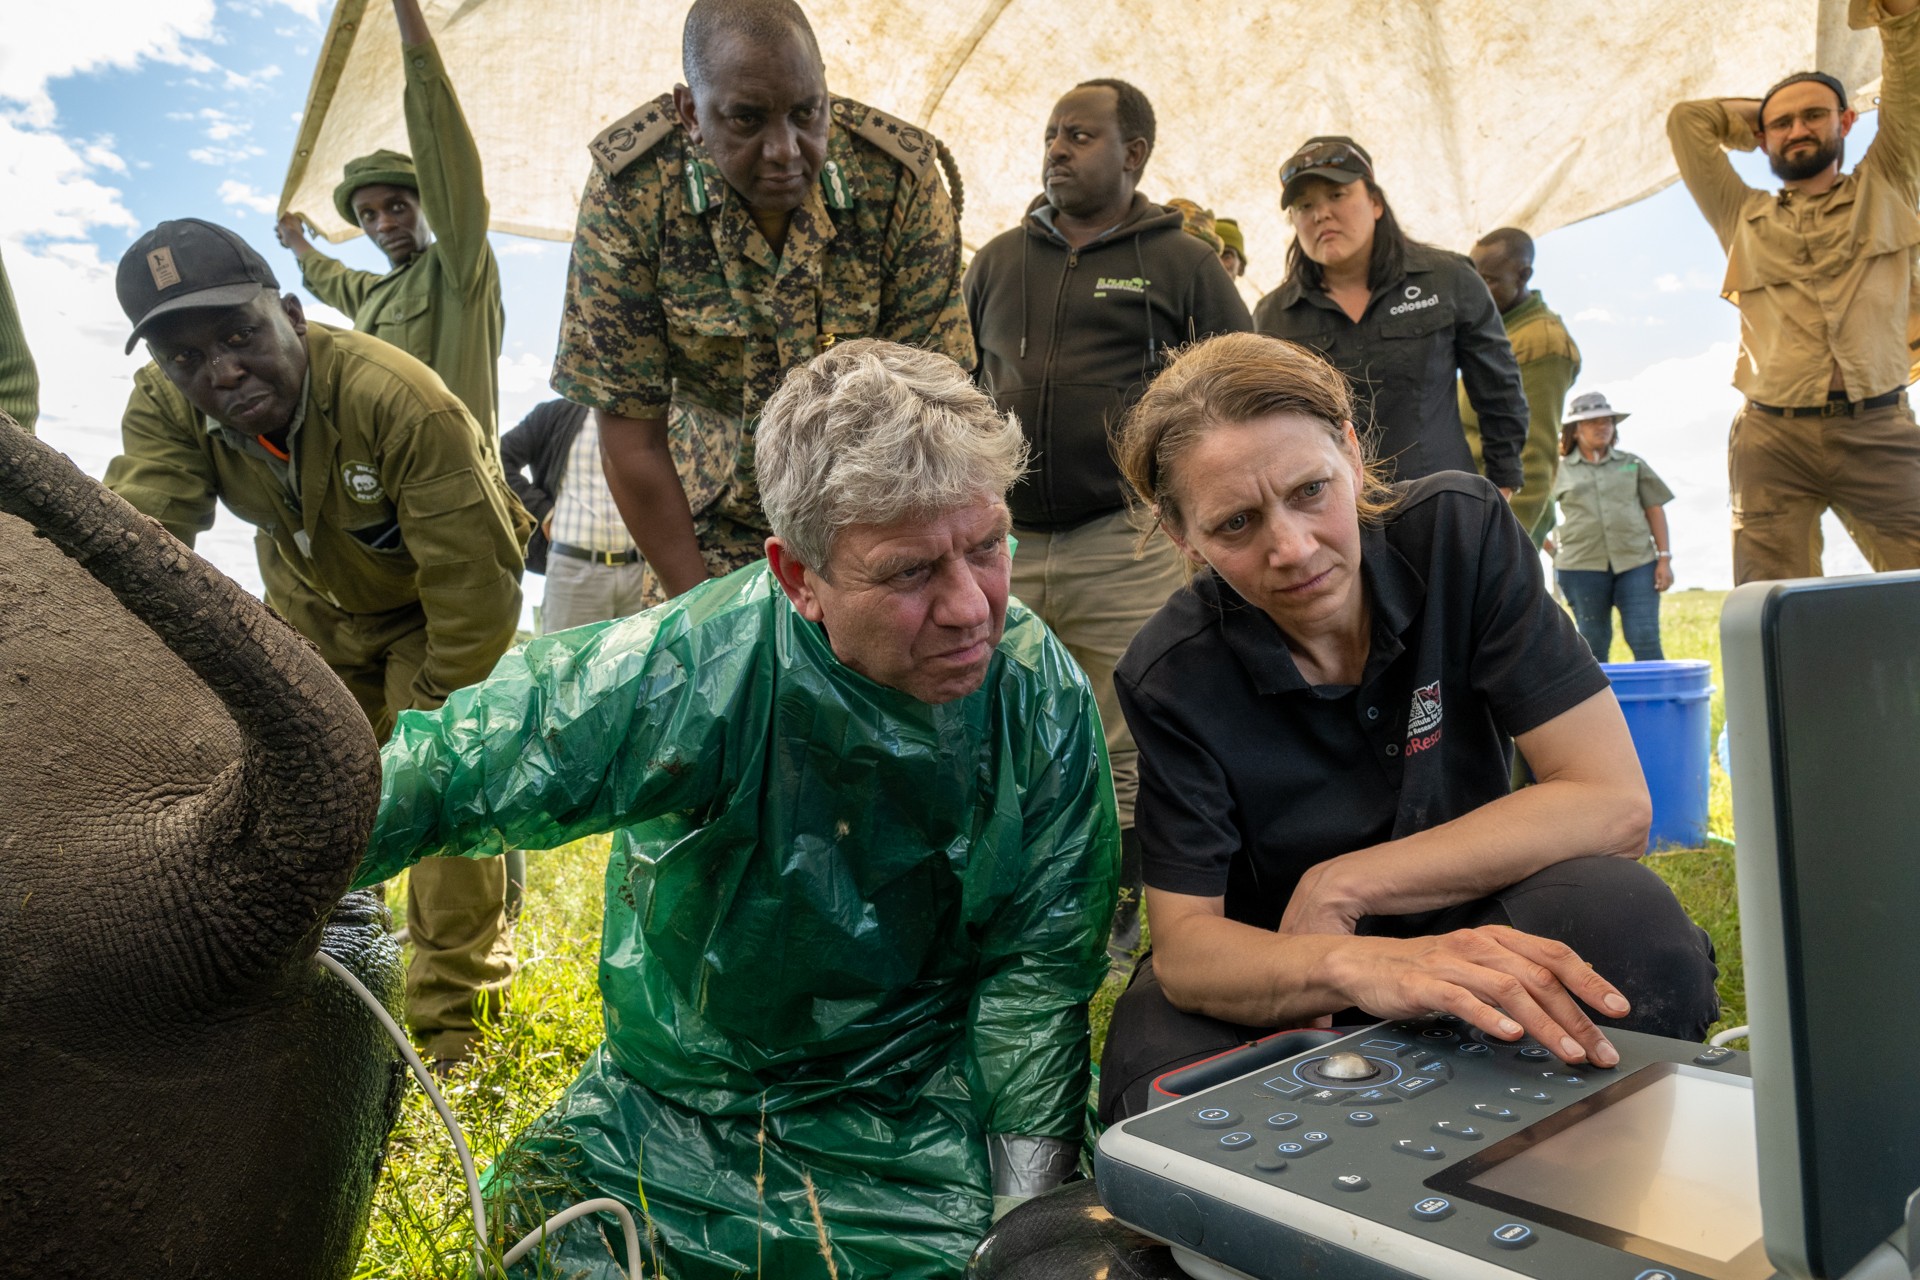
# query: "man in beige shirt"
1822,273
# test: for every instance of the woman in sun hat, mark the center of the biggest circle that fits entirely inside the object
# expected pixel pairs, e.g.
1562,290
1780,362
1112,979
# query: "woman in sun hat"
1610,548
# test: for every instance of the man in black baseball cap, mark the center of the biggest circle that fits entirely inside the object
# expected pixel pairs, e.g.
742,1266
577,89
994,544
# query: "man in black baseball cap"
388,535
184,265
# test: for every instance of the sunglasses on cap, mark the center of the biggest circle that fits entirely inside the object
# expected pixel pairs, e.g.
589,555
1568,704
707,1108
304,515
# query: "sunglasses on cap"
1326,155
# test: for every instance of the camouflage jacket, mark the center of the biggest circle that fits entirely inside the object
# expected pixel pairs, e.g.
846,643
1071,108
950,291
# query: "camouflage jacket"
674,298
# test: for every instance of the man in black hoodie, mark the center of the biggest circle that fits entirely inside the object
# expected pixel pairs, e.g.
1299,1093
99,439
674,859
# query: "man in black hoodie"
1074,312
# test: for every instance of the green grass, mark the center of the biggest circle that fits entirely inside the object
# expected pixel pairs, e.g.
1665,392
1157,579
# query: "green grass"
420,1226
421,1223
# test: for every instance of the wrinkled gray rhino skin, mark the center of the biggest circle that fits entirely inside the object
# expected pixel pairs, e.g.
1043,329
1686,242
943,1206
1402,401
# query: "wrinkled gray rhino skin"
185,791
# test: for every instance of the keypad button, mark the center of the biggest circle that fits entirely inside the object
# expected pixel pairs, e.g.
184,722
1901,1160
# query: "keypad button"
1714,1057
1418,1149
1533,1053
1437,1068
1292,1148
1376,1097
1511,1235
1236,1140
1437,1033
1283,1121
1656,1274
1270,1162
1214,1118
1351,1182
1417,1084
1327,1097
1284,1087
1454,1129
1362,1119
1488,1111
1432,1209
1474,1048
1447,1019
1551,1078
1384,1046
1539,1097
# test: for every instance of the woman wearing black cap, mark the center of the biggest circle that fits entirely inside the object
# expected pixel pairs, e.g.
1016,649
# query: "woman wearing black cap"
1398,317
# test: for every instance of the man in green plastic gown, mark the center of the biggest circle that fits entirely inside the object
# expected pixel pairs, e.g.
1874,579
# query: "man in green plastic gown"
864,856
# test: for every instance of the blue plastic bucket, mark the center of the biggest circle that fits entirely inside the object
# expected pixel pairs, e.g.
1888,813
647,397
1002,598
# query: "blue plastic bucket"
1667,710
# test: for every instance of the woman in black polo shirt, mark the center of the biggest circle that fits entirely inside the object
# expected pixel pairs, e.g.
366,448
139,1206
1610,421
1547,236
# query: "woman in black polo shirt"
1398,317
1323,719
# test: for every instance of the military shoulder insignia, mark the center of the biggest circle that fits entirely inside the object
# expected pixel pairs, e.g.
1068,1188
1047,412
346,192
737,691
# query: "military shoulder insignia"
362,481
907,143
633,135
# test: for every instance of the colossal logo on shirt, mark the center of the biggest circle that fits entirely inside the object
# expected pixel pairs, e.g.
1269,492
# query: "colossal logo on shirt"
1412,292
1423,719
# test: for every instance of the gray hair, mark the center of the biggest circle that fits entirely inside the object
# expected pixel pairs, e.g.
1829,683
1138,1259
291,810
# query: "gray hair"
870,432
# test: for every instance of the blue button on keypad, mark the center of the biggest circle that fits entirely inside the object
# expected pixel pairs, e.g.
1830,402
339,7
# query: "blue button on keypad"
1432,1209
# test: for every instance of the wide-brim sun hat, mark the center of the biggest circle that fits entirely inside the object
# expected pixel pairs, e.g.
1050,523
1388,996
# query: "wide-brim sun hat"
1591,405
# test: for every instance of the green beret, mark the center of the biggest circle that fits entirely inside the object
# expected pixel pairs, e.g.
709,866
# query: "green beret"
1198,221
1228,229
390,168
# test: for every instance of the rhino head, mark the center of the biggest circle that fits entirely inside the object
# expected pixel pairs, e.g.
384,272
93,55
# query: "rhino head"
185,792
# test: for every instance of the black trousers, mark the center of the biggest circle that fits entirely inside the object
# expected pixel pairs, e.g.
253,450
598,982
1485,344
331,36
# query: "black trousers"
1615,912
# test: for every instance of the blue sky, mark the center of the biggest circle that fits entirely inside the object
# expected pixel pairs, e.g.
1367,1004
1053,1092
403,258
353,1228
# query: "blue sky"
136,113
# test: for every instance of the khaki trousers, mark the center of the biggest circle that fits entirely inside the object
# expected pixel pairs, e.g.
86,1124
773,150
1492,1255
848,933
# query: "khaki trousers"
1087,587
463,960
1784,472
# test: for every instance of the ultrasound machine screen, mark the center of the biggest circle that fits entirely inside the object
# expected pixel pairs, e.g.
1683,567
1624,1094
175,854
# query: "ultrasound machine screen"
1662,1164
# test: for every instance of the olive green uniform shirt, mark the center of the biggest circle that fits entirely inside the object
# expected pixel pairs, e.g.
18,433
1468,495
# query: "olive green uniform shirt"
443,306
390,497
19,380
1819,280
1549,366
675,298
1603,511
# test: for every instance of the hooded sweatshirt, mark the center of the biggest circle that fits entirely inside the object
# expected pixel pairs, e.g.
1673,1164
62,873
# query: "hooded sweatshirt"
1069,338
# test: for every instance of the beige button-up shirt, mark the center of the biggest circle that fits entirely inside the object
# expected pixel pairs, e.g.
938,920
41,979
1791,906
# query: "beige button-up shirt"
1820,280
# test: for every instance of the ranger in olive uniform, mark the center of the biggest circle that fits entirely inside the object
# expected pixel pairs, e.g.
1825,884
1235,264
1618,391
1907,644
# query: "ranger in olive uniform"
386,532
699,278
440,302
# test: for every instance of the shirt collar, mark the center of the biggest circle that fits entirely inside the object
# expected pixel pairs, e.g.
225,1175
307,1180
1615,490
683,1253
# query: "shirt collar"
1580,459
1397,593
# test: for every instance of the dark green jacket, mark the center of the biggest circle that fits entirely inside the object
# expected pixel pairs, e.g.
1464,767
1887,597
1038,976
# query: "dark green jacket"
443,307
394,496
19,381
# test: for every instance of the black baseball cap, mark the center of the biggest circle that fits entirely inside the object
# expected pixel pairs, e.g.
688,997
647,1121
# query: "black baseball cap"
187,264
1335,157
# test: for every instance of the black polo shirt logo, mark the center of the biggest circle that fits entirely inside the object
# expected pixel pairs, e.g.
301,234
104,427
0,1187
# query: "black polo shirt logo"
1423,719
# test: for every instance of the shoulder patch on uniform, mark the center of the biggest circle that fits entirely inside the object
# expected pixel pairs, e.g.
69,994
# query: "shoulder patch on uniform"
907,143
635,134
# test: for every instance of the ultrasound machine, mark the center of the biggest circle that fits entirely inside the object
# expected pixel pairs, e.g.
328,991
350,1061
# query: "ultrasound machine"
1421,1147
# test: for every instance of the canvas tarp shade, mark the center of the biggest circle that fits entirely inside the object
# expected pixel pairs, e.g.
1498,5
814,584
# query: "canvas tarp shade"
1479,113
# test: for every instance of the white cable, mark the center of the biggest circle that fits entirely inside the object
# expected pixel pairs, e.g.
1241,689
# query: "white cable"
562,1218
1728,1036
627,1226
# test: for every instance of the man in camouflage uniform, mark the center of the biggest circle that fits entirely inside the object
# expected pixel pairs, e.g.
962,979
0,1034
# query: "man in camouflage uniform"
731,230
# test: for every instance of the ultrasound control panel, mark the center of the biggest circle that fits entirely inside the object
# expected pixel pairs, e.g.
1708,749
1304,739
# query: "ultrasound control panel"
1426,1148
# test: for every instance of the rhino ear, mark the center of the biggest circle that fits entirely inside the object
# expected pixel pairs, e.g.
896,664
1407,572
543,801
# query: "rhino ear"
275,850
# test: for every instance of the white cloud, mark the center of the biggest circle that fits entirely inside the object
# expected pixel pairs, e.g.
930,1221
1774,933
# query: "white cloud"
1668,283
243,196
1595,315
45,42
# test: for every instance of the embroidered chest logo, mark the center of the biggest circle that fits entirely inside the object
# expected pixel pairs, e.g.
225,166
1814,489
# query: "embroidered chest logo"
1130,284
1423,718
362,481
